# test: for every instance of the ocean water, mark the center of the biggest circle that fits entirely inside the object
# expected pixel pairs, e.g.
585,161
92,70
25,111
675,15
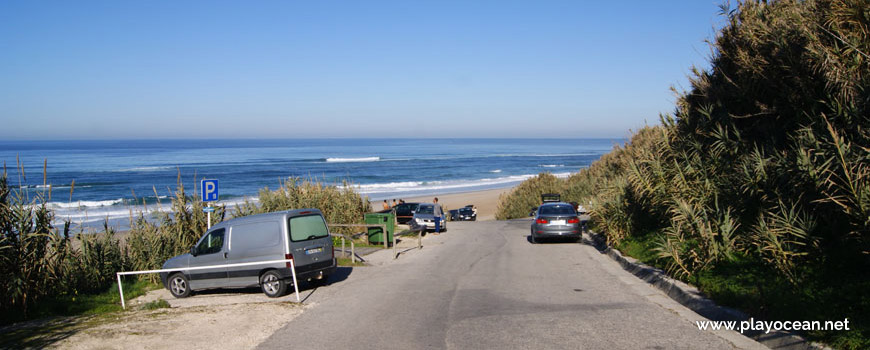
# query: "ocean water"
108,175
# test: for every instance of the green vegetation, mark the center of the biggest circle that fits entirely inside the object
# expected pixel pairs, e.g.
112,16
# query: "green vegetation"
38,266
95,303
757,188
157,304
526,196
347,262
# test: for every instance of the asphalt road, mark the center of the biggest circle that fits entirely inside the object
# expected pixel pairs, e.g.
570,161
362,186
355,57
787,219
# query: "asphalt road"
482,285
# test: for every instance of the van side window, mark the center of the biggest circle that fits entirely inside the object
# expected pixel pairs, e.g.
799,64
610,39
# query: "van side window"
213,242
307,227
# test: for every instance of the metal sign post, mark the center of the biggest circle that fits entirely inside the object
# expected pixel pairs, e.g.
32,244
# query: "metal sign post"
208,210
210,193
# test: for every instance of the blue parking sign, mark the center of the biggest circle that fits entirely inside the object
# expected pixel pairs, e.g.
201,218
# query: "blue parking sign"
209,190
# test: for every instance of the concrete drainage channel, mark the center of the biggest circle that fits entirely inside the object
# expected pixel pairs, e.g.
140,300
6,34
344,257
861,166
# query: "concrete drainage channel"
693,299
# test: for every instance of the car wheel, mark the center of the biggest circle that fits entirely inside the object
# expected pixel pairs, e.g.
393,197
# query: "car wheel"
534,241
272,284
179,286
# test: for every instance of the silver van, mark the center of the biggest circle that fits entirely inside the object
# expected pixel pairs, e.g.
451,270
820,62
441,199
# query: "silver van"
300,235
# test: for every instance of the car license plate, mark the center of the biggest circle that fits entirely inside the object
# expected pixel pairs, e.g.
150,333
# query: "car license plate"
558,222
313,251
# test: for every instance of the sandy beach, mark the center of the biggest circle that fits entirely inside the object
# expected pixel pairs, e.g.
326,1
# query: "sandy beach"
486,201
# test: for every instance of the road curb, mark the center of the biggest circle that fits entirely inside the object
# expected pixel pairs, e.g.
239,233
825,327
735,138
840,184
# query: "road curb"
693,299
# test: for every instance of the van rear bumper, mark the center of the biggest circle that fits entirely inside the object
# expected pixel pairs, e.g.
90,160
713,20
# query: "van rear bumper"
311,270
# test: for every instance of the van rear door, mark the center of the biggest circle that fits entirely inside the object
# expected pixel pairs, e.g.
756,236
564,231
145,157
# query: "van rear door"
310,243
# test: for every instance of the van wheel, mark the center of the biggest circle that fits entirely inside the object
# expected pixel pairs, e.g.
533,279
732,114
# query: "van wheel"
272,284
179,286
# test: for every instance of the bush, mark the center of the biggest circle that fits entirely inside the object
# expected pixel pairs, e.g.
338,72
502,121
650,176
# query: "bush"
339,204
526,196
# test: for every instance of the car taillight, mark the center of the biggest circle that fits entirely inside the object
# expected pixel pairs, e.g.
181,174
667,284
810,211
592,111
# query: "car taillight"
333,252
542,221
574,221
288,257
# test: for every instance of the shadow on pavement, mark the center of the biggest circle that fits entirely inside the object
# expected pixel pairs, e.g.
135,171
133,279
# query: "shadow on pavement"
39,334
341,273
554,240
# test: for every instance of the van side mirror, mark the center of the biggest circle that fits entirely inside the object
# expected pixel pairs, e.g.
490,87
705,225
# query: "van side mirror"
193,250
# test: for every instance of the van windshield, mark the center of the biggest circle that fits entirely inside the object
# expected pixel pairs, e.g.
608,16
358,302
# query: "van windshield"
303,228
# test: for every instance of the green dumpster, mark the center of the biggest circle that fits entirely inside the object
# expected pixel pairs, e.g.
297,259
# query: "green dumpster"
375,234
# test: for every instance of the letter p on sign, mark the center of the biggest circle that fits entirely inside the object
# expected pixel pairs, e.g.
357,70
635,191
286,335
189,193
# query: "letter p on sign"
209,190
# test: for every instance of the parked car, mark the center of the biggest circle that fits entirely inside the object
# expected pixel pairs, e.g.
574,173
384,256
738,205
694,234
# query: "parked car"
301,235
555,220
405,212
463,214
425,213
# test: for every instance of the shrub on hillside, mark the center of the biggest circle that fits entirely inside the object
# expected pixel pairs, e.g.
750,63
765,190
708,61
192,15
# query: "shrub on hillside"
527,195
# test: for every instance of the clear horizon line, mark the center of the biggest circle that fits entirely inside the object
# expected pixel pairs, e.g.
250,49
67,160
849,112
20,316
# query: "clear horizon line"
308,138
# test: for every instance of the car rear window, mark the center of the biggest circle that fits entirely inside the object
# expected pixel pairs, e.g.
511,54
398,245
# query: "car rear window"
303,228
557,210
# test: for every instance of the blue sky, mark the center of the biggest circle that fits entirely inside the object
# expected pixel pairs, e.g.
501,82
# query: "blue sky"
290,69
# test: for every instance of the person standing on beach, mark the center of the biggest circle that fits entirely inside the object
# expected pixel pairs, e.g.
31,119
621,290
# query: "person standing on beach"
394,203
386,205
438,213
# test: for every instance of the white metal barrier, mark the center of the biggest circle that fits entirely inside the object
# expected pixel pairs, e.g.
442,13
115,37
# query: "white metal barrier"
292,268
